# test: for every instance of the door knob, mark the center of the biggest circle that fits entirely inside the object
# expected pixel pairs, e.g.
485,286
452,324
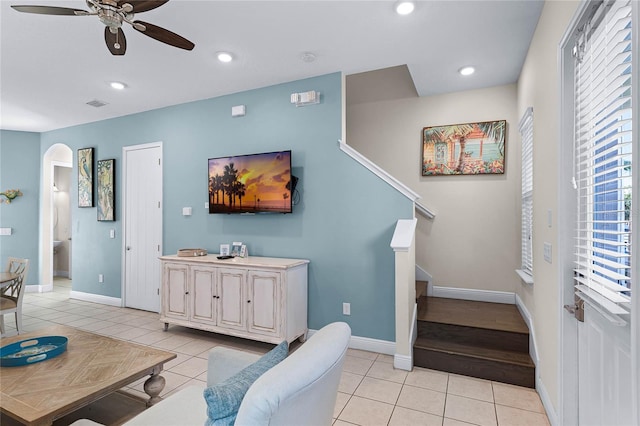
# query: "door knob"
128,248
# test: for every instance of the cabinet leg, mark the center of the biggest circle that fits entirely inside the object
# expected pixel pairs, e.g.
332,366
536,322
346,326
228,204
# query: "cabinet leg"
303,338
166,326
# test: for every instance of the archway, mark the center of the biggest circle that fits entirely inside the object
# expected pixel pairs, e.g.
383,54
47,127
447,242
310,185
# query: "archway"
57,155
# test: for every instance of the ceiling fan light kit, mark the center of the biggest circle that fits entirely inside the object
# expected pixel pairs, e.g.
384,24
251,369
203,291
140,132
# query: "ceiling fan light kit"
112,13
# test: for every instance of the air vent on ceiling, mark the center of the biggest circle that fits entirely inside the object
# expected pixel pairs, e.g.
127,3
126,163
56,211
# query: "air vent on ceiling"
96,103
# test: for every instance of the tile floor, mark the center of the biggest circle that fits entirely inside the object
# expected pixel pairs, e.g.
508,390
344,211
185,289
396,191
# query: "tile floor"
371,391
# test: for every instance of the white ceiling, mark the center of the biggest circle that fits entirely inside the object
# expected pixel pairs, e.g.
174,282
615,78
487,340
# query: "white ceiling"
51,66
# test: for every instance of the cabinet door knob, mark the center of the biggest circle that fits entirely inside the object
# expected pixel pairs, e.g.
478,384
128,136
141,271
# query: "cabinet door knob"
248,301
186,292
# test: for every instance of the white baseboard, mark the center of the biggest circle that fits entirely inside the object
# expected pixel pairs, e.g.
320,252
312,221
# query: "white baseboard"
367,344
96,298
403,362
533,352
38,288
422,275
473,294
546,402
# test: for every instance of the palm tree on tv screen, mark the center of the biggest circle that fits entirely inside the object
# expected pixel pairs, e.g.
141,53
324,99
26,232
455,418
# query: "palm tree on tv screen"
229,178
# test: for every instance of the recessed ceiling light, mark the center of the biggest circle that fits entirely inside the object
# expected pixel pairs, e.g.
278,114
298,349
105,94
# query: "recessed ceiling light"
117,85
466,71
224,57
405,7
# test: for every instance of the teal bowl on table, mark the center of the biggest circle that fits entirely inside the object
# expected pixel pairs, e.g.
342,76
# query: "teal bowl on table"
30,351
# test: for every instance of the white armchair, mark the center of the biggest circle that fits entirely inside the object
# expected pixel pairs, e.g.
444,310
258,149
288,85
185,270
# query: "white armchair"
300,390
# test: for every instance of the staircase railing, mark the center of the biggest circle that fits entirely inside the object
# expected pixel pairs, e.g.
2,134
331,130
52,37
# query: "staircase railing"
403,244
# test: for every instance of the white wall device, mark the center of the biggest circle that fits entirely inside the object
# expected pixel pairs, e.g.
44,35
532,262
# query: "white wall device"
305,98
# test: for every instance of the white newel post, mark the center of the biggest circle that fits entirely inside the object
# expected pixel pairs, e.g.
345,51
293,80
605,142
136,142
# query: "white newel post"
403,244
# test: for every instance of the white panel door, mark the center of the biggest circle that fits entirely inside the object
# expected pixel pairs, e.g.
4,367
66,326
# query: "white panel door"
604,366
142,226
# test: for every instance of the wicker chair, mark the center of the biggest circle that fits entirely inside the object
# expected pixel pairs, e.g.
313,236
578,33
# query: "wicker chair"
11,296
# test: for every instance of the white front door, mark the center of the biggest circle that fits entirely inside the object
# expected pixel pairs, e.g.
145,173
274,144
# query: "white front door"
604,371
598,255
142,184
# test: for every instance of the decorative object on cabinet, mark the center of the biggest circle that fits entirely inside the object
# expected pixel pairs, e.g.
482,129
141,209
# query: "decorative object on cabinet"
192,252
85,177
258,298
464,149
235,248
10,194
244,252
106,190
224,249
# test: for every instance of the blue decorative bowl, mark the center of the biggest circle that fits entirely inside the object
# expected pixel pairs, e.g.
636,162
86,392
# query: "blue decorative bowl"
31,351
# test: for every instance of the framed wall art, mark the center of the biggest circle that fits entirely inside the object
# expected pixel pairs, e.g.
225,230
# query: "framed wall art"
464,149
106,190
85,177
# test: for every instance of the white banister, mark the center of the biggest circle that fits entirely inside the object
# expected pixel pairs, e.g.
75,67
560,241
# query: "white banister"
395,183
424,211
403,244
378,171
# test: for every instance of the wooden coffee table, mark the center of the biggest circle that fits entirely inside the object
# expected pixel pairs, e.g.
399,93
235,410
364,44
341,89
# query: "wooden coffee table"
92,366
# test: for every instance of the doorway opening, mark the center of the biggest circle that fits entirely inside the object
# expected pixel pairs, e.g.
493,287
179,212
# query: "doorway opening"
56,223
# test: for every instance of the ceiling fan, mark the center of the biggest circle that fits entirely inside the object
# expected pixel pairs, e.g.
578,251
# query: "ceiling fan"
113,13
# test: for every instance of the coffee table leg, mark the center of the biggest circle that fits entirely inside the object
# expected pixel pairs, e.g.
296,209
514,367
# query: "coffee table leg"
153,386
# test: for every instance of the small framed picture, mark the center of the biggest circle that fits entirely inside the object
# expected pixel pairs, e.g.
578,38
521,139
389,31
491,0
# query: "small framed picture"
106,190
224,249
235,248
243,251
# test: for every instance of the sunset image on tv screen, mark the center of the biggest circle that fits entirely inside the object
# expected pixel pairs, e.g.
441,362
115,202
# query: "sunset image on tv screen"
250,183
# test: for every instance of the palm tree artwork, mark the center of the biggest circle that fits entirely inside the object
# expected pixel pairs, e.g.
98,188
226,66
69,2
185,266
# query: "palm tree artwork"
264,179
467,149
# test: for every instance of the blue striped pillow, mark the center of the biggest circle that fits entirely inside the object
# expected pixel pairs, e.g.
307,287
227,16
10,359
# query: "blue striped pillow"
224,399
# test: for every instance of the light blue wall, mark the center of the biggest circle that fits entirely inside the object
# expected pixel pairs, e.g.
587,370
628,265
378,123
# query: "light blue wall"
20,169
343,223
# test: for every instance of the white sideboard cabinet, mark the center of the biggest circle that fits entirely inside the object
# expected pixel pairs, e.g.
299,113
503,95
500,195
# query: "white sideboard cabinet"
258,298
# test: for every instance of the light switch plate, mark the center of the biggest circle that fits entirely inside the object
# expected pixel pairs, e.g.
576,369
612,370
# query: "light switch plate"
547,252
5,231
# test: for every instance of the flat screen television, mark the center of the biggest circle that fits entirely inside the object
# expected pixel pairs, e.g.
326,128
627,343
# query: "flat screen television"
256,183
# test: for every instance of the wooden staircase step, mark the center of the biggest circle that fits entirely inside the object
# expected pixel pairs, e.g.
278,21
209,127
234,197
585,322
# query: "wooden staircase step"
511,367
469,313
472,351
471,336
478,339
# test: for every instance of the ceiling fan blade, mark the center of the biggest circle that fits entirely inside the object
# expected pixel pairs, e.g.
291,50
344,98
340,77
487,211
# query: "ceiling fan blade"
164,35
116,43
142,5
51,10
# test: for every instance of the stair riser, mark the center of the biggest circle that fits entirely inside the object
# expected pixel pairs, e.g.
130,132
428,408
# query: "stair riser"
496,339
474,367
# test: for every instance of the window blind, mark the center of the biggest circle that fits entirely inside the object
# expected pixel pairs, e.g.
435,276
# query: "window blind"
602,168
526,135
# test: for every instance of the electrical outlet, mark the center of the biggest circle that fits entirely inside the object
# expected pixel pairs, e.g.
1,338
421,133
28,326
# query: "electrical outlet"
112,233
346,309
100,278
